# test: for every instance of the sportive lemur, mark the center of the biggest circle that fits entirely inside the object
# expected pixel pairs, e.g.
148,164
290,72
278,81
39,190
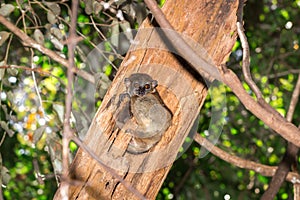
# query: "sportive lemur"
142,103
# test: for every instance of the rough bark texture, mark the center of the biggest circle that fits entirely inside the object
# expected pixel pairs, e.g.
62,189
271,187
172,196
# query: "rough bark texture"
209,25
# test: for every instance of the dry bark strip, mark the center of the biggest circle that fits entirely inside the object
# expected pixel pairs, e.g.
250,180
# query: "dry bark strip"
210,24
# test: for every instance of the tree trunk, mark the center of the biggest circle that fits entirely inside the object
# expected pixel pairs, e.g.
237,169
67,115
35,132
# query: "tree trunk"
209,25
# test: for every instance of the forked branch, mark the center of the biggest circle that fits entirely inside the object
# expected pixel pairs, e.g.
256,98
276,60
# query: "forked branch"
279,124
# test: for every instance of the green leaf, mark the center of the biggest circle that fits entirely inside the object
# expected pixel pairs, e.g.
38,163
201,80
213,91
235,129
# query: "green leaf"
285,14
286,84
262,179
73,146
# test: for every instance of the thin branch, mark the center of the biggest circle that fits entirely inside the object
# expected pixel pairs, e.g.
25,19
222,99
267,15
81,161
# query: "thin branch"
264,170
40,107
246,61
292,150
67,131
246,64
290,156
39,176
2,139
184,179
294,101
286,129
7,49
28,41
246,52
281,172
279,124
279,74
95,46
37,70
110,45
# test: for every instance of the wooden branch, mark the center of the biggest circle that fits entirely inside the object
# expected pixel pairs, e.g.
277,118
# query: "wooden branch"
108,169
264,170
286,129
281,172
290,157
28,41
294,101
291,153
246,67
38,70
199,63
180,91
246,61
67,130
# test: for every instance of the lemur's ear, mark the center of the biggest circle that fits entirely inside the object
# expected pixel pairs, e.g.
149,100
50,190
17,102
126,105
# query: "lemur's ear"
154,83
127,82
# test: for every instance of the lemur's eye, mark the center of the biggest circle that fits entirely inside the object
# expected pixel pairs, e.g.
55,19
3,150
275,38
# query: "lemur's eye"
136,85
147,86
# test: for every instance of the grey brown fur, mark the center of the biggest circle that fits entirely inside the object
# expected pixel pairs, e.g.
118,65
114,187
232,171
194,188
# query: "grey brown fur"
142,103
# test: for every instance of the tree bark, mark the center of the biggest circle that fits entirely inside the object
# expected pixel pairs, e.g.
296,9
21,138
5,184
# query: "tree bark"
209,26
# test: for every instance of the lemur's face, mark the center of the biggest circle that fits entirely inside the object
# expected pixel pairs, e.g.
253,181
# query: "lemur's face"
140,84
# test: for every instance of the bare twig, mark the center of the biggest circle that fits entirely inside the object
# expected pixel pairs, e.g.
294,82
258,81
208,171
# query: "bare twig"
246,63
246,52
279,74
292,150
67,131
40,107
2,139
110,45
279,124
37,70
294,100
32,43
39,176
95,46
290,156
264,170
184,179
286,129
281,172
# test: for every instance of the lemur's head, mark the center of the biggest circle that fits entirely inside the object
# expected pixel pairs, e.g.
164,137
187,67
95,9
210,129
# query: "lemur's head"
140,84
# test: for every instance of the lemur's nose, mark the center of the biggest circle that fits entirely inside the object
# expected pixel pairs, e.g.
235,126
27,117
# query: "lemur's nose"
141,91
